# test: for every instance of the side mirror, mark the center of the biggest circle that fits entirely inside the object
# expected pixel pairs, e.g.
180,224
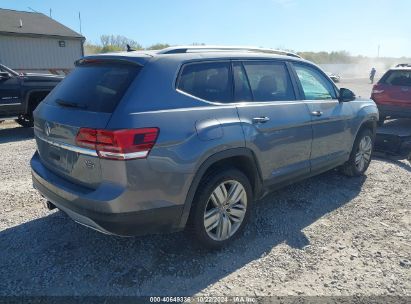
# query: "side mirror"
346,95
4,75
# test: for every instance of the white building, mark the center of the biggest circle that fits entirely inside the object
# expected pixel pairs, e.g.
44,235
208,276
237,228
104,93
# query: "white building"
32,42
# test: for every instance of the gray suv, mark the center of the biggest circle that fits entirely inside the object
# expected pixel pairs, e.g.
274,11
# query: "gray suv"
189,137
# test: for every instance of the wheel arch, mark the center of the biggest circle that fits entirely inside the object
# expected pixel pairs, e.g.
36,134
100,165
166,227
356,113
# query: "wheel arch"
367,123
240,158
29,95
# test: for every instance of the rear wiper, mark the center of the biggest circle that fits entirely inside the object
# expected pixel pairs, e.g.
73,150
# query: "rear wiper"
70,104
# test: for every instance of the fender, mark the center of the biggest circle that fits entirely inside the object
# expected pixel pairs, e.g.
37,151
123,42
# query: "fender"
206,165
365,115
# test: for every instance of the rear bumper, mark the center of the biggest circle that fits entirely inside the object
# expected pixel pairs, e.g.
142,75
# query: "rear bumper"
394,111
101,209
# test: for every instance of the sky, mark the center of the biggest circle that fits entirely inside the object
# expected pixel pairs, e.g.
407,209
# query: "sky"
357,26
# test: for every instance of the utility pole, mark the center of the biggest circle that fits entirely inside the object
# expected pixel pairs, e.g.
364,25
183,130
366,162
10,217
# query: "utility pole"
50,13
79,19
378,52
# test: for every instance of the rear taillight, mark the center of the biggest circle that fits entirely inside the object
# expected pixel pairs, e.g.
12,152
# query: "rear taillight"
118,144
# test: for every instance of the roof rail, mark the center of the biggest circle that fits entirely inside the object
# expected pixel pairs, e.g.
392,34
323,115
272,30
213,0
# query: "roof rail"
205,48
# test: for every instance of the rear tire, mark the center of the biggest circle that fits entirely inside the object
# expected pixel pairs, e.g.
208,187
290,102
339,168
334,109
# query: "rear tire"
360,156
221,208
25,120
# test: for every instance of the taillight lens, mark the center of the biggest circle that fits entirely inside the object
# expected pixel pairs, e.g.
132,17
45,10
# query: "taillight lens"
118,144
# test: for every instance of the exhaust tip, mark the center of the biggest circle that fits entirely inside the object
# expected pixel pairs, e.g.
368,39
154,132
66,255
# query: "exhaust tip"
50,205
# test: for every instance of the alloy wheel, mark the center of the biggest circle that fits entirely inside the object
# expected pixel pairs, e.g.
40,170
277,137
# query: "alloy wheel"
363,155
225,210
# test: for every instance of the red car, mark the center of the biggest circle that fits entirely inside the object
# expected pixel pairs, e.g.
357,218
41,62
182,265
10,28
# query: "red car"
392,93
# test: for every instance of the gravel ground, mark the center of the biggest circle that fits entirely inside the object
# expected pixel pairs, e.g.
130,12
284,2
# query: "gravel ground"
329,235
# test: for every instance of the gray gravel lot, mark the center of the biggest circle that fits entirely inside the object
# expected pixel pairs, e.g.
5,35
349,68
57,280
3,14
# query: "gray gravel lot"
329,235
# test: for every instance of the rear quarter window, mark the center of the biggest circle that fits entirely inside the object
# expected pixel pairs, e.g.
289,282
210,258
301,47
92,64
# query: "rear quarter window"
210,81
96,87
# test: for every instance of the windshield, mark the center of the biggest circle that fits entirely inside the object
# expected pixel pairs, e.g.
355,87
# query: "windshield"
3,68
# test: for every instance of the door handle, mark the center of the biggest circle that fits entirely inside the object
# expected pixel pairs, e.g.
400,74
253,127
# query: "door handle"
261,119
316,113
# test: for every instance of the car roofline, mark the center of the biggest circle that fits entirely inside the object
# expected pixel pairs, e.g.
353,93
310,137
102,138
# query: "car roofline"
215,48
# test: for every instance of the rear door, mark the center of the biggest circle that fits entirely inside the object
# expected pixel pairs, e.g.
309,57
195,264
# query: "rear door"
276,125
86,98
331,119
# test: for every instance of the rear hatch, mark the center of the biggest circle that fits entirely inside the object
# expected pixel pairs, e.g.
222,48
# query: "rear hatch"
86,98
394,89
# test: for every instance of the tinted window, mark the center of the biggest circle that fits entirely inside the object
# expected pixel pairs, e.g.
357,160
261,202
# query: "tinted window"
398,78
95,87
269,81
209,81
314,84
242,91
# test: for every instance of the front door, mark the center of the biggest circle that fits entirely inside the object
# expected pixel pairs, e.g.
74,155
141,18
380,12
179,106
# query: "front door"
332,139
10,95
276,126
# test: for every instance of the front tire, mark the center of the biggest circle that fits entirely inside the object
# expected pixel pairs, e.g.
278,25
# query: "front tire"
221,208
360,156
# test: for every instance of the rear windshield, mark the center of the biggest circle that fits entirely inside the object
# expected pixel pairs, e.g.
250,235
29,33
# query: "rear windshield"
96,87
398,78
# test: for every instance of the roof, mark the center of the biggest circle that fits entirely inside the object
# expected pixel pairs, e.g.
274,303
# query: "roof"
200,54
33,24
403,68
142,57
217,48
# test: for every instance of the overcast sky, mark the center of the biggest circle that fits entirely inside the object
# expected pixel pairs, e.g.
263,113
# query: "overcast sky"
357,26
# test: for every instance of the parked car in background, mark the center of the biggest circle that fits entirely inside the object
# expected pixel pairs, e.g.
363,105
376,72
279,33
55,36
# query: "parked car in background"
157,141
21,93
334,77
392,93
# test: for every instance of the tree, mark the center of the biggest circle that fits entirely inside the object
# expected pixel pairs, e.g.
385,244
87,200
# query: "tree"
90,48
113,43
158,46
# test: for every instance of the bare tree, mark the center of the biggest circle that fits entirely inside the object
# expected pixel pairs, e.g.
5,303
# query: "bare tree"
117,43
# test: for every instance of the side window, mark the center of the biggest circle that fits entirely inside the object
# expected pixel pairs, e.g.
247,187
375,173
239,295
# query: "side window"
269,81
210,81
314,84
242,91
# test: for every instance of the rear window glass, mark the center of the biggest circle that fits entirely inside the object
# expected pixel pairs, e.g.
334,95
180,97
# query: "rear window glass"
398,78
208,80
242,90
269,81
96,87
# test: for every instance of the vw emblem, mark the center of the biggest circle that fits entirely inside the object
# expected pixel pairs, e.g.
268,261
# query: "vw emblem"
47,128
89,164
